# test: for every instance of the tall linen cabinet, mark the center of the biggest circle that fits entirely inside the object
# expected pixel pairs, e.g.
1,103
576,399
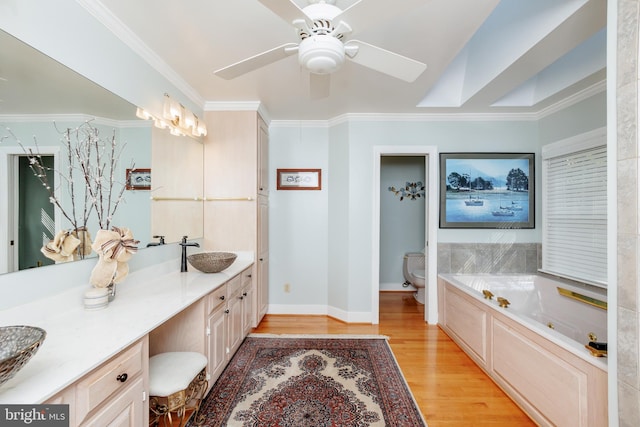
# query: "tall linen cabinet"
236,188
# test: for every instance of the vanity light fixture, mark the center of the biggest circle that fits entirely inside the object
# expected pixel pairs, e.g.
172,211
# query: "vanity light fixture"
143,114
176,118
173,111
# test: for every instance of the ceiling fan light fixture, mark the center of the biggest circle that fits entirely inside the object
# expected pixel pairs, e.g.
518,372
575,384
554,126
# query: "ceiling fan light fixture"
321,54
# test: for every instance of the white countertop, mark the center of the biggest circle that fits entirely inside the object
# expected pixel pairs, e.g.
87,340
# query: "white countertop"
78,340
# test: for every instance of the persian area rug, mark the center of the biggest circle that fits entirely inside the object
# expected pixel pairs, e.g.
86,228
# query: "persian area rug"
311,381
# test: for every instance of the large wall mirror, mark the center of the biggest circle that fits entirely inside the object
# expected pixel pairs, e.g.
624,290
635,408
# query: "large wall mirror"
41,98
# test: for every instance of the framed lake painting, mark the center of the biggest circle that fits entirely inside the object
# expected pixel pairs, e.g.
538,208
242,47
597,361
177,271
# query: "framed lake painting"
487,190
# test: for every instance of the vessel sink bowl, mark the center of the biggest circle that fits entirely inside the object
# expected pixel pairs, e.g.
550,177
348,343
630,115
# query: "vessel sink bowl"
211,262
17,345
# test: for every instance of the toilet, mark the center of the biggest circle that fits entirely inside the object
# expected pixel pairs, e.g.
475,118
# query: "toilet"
413,269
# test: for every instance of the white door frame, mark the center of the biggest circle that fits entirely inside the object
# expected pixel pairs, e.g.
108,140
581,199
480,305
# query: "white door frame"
431,226
9,195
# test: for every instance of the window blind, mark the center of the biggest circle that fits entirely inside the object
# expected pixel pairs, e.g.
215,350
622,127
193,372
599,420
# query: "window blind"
574,241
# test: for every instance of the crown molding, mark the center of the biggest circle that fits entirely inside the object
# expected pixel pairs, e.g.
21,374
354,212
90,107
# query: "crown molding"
577,97
413,117
232,106
80,118
129,38
450,117
239,106
302,123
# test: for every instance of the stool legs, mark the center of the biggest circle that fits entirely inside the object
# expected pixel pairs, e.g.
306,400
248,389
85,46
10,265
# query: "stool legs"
161,407
195,395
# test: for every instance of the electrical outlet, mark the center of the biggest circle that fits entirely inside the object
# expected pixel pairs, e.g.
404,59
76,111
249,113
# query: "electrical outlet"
287,288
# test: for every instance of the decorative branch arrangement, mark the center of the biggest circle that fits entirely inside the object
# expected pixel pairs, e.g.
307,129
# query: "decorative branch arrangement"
96,159
89,180
411,191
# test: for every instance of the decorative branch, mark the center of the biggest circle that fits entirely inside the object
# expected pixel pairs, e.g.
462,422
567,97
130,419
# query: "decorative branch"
96,159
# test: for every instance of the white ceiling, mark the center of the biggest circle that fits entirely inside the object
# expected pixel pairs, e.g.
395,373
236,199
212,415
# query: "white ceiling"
482,56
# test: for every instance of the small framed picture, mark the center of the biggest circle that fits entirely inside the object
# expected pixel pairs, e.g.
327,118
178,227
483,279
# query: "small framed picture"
299,179
138,179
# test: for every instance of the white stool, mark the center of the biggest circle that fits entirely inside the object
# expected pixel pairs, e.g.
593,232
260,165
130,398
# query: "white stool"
177,382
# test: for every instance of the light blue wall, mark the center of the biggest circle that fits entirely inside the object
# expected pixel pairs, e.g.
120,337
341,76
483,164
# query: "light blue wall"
344,225
298,252
401,221
338,232
447,136
135,211
582,117
345,285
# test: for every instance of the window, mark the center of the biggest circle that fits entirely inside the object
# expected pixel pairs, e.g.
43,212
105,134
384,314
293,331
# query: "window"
574,220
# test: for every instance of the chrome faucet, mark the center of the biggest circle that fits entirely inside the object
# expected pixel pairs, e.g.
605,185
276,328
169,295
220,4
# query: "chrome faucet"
184,244
160,243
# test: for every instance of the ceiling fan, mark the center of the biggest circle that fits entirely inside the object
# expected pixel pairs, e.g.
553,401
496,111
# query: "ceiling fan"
324,30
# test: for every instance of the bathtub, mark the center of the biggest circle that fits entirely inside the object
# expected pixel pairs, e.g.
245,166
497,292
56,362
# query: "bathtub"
534,349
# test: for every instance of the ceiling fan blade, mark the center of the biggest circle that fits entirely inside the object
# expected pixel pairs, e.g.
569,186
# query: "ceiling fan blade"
366,13
386,62
285,9
257,61
319,85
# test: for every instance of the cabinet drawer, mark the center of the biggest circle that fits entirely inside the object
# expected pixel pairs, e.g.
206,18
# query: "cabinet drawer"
216,298
126,410
234,285
108,379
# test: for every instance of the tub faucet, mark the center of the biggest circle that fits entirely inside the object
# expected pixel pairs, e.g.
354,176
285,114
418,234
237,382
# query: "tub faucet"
487,294
160,243
184,244
503,302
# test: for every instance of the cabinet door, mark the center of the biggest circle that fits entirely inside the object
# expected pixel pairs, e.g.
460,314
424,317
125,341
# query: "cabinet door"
66,397
262,268
216,343
263,225
247,309
127,409
234,323
262,288
263,157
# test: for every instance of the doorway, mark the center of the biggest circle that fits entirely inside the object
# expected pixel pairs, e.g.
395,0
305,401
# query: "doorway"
402,217
34,214
26,216
429,153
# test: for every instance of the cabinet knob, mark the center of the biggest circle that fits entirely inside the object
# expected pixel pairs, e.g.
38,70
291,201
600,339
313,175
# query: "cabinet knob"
241,297
261,259
222,297
226,311
244,294
122,377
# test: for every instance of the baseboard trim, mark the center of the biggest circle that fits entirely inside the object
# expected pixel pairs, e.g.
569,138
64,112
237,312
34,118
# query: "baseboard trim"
306,310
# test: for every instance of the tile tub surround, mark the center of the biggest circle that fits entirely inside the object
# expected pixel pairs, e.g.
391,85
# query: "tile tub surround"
627,78
79,340
488,258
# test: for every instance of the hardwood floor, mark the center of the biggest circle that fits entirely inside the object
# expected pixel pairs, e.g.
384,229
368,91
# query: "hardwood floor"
448,387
